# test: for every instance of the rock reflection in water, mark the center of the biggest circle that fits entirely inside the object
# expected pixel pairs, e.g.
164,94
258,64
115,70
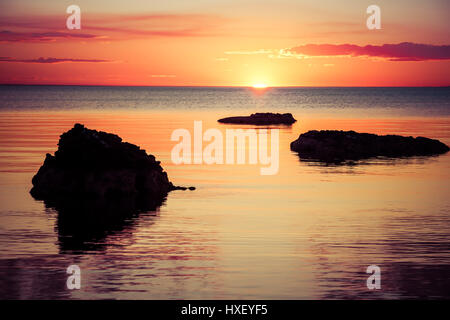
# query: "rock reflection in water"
84,224
338,166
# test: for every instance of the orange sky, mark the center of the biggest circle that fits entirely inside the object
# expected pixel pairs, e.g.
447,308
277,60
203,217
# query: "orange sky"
225,43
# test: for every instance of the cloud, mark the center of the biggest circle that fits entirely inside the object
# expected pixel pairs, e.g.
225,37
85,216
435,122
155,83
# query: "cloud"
51,60
11,36
162,76
183,32
260,51
35,28
405,51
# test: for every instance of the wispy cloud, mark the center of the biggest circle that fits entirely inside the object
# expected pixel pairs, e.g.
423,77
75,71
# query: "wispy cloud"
51,60
405,51
162,76
11,36
251,52
112,26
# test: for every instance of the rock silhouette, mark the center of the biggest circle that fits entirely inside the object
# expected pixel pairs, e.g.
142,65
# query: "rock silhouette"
98,166
338,146
261,119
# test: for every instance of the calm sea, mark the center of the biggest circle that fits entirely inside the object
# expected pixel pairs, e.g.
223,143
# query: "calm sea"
308,232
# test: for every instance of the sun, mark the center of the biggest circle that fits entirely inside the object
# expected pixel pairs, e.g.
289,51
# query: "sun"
259,86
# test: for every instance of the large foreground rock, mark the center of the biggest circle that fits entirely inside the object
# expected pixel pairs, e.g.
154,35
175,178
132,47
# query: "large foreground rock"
338,146
261,119
98,166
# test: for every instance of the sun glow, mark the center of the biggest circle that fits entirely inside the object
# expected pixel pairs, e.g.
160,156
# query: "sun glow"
259,86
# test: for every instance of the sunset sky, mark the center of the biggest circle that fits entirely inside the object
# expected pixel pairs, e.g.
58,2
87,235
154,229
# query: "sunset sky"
226,43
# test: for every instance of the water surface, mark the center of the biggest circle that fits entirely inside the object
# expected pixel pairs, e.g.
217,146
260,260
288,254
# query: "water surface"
308,232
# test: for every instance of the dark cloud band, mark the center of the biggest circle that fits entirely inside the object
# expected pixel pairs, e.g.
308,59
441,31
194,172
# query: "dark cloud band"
50,60
405,51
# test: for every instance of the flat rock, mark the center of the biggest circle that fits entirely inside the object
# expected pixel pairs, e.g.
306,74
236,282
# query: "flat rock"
98,166
338,146
261,119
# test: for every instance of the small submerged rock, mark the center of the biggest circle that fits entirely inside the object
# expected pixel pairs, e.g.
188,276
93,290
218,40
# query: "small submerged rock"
184,188
96,165
338,146
261,119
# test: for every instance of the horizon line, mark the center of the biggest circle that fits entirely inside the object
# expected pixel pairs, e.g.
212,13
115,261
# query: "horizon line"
212,86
